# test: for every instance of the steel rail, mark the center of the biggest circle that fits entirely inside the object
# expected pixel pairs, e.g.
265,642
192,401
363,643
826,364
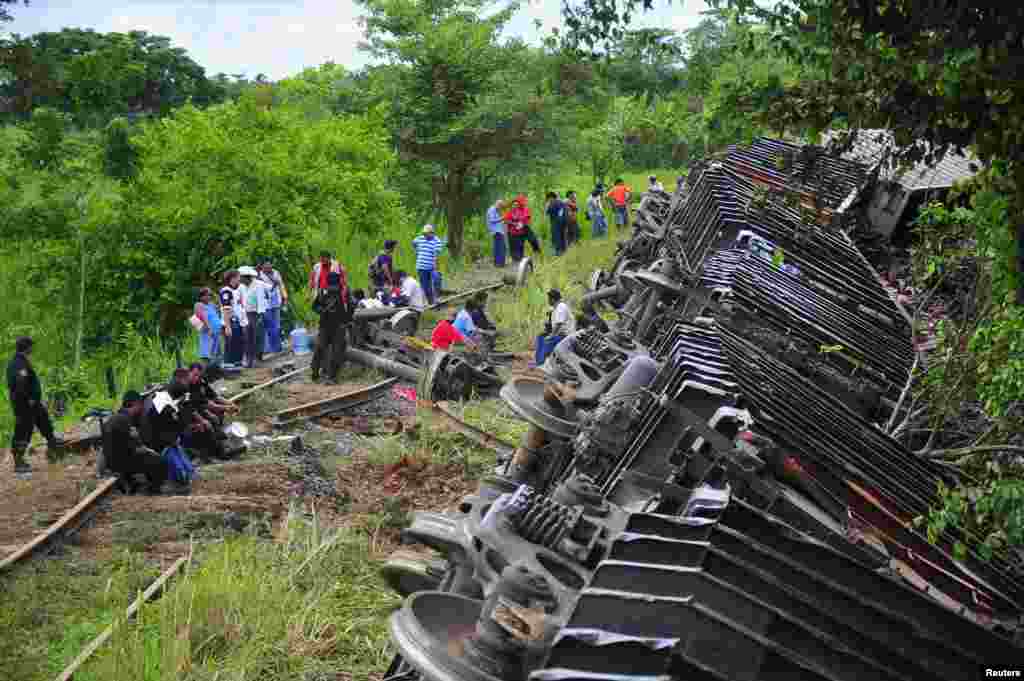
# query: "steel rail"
472,432
333,404
464,294
65,522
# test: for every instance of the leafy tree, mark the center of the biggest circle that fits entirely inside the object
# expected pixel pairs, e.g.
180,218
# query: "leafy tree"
5,15
223,186
464,94
646,63
95,75
120,157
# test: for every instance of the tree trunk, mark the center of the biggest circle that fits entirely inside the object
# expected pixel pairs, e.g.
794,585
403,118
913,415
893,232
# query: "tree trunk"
455,199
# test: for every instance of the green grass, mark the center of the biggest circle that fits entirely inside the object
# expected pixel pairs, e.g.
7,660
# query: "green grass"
241,614
261,610
53,607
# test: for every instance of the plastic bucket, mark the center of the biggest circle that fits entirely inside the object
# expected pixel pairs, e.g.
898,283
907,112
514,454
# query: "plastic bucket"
300,341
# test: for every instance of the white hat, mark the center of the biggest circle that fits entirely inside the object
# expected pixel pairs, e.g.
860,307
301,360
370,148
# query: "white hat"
246,271
428,229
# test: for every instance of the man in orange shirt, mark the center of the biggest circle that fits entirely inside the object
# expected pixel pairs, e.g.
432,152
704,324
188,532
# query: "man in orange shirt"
620,195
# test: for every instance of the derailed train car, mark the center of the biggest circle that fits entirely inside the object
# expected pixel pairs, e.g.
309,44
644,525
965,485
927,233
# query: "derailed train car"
704,492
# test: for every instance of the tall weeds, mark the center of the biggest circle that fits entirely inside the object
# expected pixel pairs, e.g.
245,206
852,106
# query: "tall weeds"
254,609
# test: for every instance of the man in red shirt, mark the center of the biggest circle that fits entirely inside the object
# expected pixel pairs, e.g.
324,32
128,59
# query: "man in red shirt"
445,334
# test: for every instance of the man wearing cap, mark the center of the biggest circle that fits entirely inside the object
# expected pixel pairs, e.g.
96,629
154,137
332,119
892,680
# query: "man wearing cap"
30,412
427,247
277,297
255,298
124,451
559,325
335,308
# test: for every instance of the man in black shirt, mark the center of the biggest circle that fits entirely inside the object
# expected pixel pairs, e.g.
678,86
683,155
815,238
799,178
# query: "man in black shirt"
335,309
203,415
161,428
124,450
26,395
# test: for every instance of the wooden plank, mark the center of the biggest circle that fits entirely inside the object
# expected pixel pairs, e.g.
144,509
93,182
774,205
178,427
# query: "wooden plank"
261,386
95,644
319,403
64,520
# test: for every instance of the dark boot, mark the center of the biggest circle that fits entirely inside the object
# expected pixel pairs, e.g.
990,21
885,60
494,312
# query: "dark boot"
21,467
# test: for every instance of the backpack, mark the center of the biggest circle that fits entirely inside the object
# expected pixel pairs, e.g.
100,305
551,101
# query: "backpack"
179,468
375,271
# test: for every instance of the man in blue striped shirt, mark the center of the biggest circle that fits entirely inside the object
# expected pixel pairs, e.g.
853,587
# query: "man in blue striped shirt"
427,247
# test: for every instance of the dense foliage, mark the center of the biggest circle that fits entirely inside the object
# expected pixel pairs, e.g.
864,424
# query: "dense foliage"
93,76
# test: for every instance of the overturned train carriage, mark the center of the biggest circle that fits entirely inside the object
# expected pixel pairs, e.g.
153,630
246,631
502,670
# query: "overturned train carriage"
704,492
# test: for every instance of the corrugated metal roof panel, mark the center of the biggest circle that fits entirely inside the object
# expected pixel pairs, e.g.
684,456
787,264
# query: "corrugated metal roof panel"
871,145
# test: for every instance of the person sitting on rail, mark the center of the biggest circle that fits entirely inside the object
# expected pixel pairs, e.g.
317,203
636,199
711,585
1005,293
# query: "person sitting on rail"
362,302
201,391
161,426
479,313
464,321
445,334
559,325
484,326
411,293
124,451
203,415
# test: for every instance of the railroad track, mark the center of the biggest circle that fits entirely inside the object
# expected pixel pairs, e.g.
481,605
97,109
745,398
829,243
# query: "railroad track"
503,449
334,404
68,524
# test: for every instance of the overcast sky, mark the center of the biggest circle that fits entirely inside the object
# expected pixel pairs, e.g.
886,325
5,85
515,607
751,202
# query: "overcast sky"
275,37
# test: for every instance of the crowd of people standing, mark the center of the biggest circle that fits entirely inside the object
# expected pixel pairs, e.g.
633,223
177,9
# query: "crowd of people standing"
510,222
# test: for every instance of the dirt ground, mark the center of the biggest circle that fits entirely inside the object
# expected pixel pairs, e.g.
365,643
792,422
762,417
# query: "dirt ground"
374,494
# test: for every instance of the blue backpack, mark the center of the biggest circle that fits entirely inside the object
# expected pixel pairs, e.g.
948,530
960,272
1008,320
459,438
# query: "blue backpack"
179,468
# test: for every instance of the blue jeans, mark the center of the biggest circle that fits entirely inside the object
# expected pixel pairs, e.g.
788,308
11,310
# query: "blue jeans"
427,282
499,250
620,215
272,323
600,228
558,237
545,344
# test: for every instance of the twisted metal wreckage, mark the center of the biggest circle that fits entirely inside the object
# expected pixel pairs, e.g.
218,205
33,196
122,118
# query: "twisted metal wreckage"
703,493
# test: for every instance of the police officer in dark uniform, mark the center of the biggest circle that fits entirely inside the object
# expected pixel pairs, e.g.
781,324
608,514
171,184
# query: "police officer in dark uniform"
26,395
335,308
124,451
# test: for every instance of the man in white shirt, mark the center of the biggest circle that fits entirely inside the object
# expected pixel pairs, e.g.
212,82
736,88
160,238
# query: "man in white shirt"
412,292
255,300
561,323
653,185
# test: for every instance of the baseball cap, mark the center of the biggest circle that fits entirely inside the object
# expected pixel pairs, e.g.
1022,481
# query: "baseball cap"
428,229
